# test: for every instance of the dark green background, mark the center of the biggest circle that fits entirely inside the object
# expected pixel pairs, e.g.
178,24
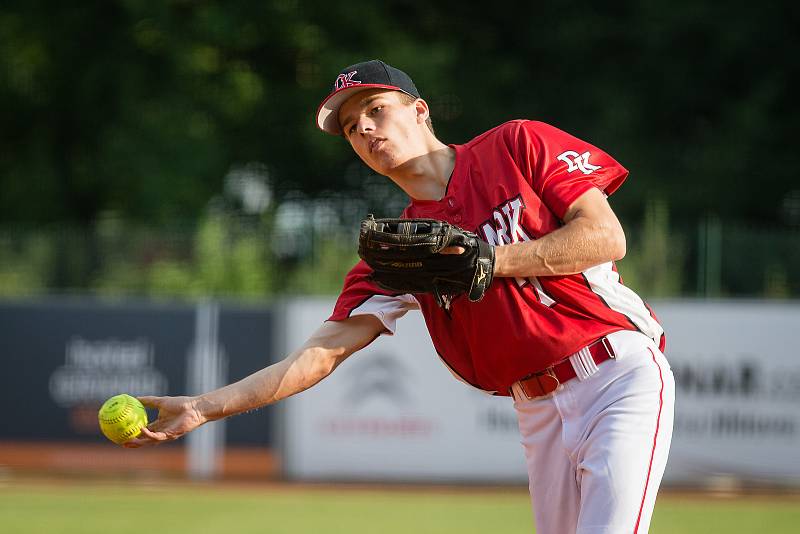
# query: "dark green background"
140,108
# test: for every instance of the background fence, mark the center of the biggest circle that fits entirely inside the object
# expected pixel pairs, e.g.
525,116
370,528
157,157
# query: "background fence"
737,381
306,247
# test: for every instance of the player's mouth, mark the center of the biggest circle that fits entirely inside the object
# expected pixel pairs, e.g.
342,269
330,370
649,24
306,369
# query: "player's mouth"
374,144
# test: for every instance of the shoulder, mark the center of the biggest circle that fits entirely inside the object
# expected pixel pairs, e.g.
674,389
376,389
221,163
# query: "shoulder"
504,130
513,131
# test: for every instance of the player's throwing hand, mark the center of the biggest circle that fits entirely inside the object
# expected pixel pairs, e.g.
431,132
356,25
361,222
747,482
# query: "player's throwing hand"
176,417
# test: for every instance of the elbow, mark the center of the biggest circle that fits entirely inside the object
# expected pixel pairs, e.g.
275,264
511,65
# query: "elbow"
324,362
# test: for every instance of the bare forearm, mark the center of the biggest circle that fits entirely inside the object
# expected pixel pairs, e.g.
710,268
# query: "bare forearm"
264,387
581,244
330,345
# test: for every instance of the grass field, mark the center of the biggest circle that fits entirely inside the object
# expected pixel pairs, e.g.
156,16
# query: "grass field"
86,507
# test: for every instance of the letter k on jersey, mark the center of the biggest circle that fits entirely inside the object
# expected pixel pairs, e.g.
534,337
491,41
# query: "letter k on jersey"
504,228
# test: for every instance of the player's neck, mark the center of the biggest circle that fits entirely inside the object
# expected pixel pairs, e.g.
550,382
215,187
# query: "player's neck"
425,177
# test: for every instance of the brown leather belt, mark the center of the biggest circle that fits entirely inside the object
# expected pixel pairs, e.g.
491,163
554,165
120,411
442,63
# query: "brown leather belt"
547,381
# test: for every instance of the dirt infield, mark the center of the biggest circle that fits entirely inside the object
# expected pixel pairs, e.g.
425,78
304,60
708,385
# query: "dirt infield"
104,458
259,469
273,484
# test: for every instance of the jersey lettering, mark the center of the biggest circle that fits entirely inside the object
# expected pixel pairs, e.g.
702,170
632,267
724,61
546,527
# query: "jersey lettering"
507,230
577,162
512,210
500,235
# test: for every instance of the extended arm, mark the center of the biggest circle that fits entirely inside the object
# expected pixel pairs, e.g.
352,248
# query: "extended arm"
329,346
590,236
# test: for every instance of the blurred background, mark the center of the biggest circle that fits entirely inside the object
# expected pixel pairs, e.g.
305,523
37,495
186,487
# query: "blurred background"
169,149
169,212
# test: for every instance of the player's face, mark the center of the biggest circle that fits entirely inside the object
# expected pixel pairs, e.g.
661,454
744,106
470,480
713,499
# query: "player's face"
384,131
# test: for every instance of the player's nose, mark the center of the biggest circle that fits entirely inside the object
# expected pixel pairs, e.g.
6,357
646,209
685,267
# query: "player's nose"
365,125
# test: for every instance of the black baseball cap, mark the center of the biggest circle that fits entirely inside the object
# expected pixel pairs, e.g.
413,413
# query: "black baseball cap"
374,74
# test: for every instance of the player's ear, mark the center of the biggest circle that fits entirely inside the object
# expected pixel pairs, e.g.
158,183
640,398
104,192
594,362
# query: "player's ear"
423,111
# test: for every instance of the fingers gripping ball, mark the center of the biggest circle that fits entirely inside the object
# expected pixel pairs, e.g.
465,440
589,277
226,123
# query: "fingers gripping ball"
121,418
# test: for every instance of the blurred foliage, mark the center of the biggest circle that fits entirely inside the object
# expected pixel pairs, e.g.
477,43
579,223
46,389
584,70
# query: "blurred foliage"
225,256
126,123
141,108
25,263
325,270
656,256
308,252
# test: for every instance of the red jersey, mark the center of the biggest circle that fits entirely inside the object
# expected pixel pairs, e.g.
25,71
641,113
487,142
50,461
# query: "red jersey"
514,183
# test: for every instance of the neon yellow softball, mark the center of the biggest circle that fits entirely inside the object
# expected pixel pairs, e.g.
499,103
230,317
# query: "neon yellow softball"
121,418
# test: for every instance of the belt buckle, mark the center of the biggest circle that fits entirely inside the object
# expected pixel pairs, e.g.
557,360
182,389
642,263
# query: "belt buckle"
540,384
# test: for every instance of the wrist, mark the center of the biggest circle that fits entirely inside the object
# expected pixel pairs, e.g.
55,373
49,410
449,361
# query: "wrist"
203,409
501,260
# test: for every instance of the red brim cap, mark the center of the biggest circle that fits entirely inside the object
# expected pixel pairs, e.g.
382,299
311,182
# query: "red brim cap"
328,112
373,74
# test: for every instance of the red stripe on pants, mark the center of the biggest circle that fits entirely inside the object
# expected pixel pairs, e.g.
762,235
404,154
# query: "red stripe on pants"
655,441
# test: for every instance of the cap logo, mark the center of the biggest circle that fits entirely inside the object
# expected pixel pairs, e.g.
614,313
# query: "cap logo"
345,80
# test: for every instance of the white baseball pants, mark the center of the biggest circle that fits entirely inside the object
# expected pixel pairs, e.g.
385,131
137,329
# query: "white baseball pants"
596,449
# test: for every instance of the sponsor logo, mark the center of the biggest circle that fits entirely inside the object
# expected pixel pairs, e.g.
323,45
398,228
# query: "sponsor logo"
380,376
481,274
97,369
378,403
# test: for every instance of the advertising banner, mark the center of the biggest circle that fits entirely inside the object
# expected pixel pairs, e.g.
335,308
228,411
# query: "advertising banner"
394,412
61,358
737,375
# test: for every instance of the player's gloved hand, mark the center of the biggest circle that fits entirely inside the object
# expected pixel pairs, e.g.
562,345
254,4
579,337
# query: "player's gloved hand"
176,417
417,256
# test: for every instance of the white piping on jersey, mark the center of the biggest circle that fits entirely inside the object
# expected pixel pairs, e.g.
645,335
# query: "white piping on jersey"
605,283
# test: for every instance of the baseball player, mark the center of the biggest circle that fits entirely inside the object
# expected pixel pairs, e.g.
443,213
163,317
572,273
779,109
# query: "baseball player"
579,353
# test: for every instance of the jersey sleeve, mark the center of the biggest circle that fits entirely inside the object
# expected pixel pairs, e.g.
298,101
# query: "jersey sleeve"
562,167
360,296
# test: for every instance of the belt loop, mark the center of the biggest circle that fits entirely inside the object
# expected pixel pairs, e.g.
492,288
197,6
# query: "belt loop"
607,345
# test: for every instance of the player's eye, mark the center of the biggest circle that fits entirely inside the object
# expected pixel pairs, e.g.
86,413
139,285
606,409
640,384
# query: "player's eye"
376,109
351,130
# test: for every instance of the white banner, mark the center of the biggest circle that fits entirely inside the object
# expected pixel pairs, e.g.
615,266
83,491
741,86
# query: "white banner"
394,412
737,373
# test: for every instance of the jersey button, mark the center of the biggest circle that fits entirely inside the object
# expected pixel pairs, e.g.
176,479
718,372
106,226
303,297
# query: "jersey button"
457,218
451,202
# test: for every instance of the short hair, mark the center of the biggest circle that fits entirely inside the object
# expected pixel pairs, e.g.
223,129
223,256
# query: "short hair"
407,100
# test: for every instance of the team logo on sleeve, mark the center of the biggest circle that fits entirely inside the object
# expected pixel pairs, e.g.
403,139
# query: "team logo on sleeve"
577,162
